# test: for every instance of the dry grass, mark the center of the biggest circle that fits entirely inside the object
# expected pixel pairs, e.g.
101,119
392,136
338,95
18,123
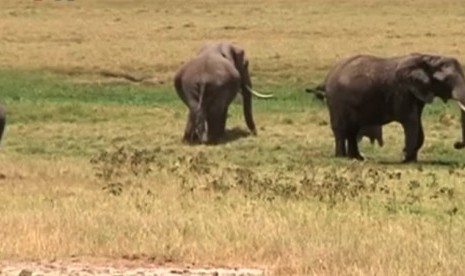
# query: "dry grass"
293,41
52,204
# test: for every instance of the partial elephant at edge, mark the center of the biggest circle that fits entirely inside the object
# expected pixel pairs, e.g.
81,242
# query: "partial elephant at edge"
367,90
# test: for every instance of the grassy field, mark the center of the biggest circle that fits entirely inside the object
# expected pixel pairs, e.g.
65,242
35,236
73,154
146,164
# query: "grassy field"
92,167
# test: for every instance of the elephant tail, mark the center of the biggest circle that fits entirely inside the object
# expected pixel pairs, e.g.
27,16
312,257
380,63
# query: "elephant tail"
201,91
318,90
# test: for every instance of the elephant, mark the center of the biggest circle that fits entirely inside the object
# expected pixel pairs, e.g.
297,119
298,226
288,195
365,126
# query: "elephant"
2,121
374,132
364,90
207,84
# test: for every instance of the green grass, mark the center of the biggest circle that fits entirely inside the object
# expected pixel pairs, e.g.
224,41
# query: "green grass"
44,104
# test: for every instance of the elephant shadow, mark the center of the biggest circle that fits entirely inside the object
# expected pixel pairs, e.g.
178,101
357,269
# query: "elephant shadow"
445,163
233,134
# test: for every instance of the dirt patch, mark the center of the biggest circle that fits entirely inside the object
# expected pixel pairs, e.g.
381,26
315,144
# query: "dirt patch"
104,76
116,268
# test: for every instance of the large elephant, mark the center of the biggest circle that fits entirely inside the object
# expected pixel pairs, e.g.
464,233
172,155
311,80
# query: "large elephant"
2,121
372,132
367,90
208,84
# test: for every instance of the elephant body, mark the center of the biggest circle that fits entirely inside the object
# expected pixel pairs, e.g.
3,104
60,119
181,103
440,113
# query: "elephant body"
2,121
207,84
366,90
373,133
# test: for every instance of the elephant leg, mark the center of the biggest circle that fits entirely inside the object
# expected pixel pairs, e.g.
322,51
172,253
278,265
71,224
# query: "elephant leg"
420,136
213,128
216,125
222,122
412,137
190,136
338,126
353,151
340,145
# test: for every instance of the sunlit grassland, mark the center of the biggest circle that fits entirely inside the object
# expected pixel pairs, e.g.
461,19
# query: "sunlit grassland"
278,200
285,40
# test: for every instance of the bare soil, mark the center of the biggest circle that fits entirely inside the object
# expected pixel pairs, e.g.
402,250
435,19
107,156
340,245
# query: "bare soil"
113,267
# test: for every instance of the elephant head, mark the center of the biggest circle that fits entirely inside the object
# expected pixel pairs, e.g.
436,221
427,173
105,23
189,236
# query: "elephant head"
429,76
237,57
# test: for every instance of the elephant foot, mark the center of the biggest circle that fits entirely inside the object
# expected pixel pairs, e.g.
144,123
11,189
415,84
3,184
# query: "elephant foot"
358,157
408,161
212,142
411,159
459,145
189,141
205,140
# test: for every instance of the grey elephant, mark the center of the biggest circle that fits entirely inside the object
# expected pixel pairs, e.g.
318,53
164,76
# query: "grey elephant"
208,84
2,121
373,133
369,90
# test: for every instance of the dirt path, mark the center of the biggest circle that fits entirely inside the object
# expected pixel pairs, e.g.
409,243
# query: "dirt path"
88,269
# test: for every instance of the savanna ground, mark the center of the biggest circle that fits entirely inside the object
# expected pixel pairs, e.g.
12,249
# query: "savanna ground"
93,167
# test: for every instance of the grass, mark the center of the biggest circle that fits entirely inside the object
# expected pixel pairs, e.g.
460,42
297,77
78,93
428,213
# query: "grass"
90,168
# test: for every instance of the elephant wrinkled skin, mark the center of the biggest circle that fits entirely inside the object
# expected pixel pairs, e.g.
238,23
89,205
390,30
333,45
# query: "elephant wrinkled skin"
208,84
366,90
373,133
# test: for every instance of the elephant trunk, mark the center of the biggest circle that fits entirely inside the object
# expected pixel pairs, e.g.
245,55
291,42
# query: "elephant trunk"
246,86
458,93
461,144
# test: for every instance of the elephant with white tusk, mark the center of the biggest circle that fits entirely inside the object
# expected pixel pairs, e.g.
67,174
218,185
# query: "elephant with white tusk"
208,84
367,90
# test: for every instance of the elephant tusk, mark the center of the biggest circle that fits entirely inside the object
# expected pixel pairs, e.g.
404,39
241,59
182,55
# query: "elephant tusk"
461,106
260,95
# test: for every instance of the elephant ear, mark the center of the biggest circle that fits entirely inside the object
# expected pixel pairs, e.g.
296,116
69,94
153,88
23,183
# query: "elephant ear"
235,54
437,64
413,73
